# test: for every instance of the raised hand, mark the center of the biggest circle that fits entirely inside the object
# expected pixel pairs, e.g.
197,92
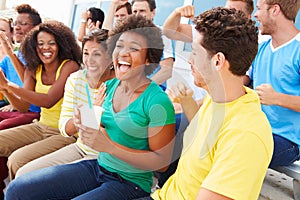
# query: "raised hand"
186,11
6,46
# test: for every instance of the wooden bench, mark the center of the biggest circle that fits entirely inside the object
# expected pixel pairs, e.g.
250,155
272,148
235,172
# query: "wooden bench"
292,171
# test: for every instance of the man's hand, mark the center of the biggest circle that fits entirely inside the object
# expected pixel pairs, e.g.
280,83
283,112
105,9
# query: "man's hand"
186,11
267,94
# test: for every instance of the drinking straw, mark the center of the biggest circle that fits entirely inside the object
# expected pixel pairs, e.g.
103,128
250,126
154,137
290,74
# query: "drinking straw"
88,96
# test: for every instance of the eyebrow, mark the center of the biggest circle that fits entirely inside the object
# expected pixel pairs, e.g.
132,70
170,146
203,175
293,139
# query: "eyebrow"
132,42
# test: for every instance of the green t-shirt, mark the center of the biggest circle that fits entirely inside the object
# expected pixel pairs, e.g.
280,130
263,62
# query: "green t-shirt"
129,127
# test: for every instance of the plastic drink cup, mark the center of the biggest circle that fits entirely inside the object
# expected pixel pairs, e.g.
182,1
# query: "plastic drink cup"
91,117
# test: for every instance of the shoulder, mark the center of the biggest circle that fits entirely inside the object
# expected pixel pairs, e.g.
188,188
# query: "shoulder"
68,67
156,95
69,64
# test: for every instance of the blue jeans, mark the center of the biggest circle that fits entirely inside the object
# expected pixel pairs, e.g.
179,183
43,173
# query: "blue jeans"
285,152
82,180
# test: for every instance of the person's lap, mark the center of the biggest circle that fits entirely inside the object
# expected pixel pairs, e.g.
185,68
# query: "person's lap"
81,180
285,152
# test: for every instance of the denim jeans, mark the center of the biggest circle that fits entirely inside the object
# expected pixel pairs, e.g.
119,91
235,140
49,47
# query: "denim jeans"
82,180
285,152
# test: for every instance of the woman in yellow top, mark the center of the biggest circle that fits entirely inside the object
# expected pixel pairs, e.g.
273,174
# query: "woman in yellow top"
51,54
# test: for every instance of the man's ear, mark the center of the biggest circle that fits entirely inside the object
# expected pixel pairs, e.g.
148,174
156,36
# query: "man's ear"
153,13
219,60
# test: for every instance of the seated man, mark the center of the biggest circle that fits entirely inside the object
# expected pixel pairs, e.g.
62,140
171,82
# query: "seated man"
228,145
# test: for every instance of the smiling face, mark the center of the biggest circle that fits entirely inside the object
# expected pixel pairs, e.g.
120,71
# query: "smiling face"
130,56
95,58
264,18
47,47
22,25
201,63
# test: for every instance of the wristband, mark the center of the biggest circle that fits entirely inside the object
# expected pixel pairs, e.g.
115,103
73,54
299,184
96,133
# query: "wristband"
83,21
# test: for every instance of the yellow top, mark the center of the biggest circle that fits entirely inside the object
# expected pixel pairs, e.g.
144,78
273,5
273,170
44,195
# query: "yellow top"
49,116
227,150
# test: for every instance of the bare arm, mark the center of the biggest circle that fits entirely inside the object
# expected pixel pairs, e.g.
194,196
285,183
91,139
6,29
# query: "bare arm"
180,93
109,18
83,24
269,96
55,93
176,31
165,71
7,48
14,99
70,127
205,194
158,157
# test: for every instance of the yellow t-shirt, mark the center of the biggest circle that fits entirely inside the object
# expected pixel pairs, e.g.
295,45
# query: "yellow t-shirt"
227,150
49,116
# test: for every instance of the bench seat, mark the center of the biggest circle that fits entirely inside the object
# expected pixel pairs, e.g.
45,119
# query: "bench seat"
292,171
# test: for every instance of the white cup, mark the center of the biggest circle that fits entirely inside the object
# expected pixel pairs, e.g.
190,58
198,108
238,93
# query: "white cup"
91,117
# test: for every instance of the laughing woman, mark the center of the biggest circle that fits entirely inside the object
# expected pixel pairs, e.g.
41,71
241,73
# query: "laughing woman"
52,54
135,137
98,68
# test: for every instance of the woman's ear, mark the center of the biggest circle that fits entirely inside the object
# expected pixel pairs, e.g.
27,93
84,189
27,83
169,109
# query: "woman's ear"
147,62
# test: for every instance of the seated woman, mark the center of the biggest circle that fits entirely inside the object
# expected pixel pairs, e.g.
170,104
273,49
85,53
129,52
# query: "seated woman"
136,135
52,54
98,68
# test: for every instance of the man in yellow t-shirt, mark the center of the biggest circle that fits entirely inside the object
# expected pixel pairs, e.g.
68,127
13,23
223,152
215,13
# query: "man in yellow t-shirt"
228,144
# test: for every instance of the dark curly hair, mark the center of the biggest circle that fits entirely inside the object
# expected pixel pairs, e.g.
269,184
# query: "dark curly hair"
68,47
33,13
230,32
140,25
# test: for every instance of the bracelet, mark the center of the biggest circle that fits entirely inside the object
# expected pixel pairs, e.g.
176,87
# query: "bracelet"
83,21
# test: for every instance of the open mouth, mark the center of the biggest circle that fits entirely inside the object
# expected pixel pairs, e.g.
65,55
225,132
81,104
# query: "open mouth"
123,66
47,54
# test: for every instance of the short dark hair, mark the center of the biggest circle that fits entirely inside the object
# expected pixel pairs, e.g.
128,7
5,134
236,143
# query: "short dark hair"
229,31
33,13
97,15
126,5
144,27
152,4
68,47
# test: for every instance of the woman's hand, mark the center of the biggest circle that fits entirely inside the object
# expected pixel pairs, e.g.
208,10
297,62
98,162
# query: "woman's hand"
96,139
3,81
8,108
6,46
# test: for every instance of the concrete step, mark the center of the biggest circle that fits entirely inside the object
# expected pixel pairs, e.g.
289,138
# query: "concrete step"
276,186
